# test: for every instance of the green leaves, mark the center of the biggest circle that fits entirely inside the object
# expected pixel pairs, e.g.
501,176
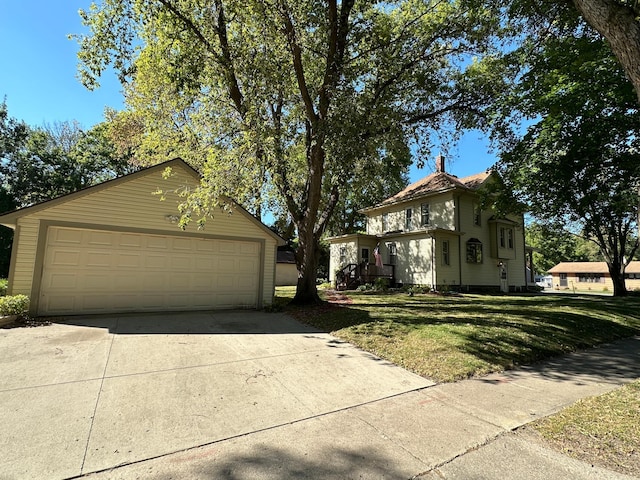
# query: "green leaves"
42,163
286,103
579,163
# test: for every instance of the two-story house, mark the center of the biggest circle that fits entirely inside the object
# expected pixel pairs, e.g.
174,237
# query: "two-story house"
434,233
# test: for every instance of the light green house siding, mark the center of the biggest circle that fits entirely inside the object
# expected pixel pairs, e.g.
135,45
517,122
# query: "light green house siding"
347,250
130,204
441,215
454,220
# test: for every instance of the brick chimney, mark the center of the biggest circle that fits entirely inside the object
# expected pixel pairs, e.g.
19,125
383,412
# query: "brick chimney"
440,164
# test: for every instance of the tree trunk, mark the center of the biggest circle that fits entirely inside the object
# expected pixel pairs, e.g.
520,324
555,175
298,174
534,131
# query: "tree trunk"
307,261
309,232
617,23
617,277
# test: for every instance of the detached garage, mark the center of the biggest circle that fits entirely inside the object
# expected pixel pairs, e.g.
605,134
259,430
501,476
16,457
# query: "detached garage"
116,247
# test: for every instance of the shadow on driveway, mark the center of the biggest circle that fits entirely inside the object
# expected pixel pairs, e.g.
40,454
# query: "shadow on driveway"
174,323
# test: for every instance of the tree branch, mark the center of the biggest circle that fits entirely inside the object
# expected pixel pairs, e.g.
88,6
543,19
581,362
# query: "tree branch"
298,68
616,21
321,224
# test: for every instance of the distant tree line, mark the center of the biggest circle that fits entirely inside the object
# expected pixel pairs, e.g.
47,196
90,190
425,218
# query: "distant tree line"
41,163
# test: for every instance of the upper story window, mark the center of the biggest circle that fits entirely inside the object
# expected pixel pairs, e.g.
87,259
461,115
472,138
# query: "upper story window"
424,214
477,214
474,251
506,237
385,222
408,223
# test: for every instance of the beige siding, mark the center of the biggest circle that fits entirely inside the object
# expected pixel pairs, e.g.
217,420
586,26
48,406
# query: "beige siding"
604,286
447,275
351,250
441,215
286,274
22,271
487,273
132,204
414,263
419,257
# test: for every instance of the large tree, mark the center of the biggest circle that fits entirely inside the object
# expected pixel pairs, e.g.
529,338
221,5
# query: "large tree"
616,20
289,99
579,163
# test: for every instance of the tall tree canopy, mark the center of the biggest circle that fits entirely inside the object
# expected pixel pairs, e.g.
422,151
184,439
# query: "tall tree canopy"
288,100
579,164
41,163
616,20
53,160
13,135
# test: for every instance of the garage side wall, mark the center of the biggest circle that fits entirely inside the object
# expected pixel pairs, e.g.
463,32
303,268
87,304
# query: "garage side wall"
132,205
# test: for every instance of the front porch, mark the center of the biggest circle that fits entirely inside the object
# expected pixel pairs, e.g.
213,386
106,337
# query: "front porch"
353,275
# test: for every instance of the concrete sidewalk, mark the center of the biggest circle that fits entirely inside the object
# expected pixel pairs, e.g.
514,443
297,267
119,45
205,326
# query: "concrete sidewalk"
462,430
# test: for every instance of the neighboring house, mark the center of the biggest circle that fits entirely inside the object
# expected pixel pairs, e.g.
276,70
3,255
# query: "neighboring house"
434,233
116,247
544,281
593,276
286,268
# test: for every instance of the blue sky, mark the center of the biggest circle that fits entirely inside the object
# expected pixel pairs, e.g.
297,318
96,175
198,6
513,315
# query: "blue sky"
38,77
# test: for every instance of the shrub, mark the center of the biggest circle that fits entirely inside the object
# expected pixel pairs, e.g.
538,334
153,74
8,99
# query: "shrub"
4,284
381,284
14,305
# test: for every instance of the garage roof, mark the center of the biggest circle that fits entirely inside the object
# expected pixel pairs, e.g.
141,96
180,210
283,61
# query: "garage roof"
9,219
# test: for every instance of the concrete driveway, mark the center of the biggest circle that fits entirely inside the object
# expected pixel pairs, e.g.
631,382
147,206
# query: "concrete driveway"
89,393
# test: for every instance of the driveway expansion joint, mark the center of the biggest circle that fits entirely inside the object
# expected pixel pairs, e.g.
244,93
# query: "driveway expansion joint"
95,409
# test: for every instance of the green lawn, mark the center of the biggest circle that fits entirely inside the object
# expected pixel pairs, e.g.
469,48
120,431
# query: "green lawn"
447,338
603,430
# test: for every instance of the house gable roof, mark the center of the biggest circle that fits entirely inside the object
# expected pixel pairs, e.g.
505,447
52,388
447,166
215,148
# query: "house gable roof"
285,256
10,219
438,182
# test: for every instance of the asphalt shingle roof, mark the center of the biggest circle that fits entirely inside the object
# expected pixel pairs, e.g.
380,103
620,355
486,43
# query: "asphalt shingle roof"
436,182
591,267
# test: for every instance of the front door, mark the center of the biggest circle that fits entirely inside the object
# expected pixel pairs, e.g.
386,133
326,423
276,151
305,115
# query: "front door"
504,282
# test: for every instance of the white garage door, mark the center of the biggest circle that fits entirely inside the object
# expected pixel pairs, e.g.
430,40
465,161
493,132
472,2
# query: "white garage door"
92,271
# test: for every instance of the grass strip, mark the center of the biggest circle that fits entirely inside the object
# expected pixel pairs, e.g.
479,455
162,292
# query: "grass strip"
602,430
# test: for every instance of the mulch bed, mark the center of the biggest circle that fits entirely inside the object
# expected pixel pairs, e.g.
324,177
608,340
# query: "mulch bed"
337,298
26,321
